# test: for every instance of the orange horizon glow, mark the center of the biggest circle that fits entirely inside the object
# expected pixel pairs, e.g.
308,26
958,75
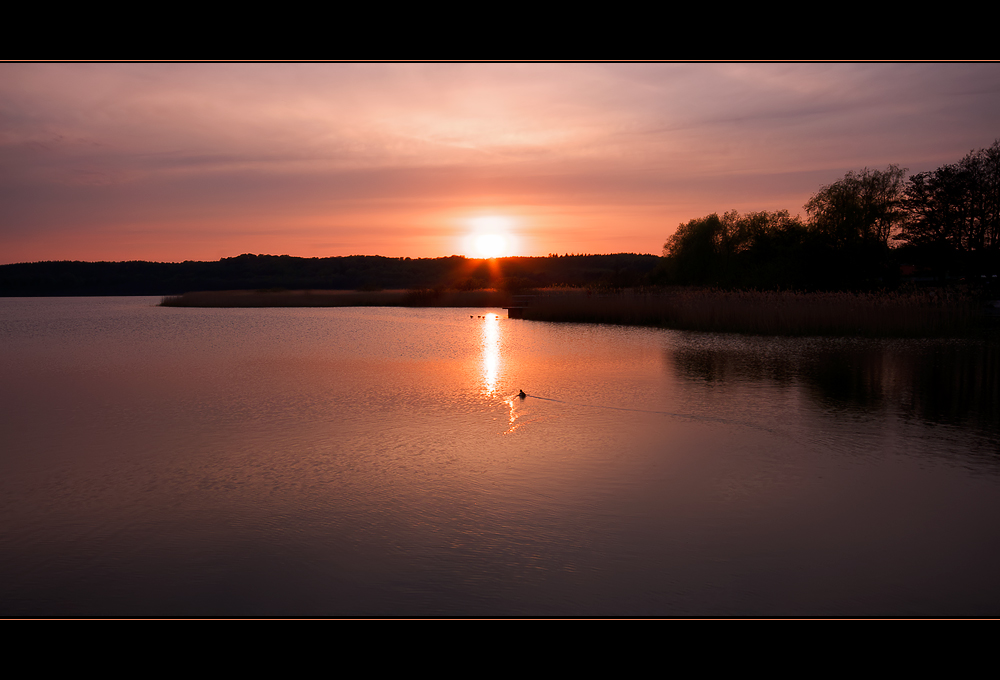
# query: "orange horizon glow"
174,162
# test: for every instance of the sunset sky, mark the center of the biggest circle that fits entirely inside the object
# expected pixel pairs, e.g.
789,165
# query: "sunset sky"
172,162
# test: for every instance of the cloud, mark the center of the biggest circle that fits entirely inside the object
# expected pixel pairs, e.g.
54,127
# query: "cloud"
164,146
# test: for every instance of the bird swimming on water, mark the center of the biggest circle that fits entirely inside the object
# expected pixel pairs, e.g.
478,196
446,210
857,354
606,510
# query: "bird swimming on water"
522,394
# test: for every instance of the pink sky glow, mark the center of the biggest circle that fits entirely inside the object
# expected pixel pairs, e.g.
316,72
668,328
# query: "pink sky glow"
172,162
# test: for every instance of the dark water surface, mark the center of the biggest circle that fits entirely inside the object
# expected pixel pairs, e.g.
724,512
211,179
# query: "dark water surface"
164,461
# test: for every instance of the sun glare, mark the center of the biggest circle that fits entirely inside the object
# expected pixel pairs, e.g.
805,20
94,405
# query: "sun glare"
490,236
491,245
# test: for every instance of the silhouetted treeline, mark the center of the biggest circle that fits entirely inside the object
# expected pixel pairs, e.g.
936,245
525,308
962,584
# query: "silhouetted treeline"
256,272
952,215
871,229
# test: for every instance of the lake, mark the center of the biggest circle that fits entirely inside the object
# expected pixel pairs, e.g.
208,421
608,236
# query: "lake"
378,462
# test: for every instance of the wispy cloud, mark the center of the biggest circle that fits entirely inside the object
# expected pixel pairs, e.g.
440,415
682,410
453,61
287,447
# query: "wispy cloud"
331,153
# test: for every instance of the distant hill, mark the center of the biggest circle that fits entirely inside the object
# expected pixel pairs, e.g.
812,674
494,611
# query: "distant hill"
356,272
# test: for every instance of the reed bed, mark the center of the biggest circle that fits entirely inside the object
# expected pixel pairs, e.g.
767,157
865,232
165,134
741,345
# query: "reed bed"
921,313
339,298
911,314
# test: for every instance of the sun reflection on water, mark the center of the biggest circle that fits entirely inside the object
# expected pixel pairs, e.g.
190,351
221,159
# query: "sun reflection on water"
491,354
491,368
512,423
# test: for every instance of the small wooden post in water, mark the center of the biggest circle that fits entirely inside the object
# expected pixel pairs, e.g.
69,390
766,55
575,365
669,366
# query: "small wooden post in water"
521,302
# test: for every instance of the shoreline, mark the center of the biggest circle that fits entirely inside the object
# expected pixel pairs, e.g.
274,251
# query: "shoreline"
339,298
916,314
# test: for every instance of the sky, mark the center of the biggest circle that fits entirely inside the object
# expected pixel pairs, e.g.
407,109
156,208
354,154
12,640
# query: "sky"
171,162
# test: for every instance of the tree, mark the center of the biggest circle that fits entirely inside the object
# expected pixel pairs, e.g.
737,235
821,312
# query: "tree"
758,249
862,207
692,251
956,207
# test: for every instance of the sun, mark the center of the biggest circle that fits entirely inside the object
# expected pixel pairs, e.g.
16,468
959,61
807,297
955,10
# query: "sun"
490,236
491,245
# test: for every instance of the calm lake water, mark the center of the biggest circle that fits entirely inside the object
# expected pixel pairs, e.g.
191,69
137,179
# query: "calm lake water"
377,461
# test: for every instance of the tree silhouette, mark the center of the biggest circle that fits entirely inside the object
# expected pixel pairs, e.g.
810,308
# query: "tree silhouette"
757,249
862,207
954,211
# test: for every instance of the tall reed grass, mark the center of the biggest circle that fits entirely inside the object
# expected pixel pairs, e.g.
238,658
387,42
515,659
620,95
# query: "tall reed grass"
918,313
911,314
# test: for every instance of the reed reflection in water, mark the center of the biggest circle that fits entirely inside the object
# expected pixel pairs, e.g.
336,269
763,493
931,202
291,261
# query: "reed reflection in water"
162,461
